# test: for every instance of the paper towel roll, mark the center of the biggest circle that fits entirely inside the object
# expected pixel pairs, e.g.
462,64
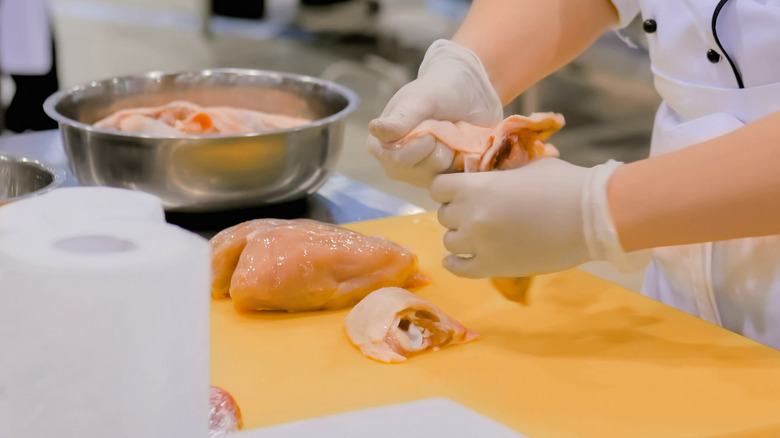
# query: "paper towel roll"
80,204
105,332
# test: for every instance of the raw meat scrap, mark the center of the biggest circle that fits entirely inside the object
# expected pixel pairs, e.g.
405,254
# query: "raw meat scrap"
512,143
224,413
513,288
302,264
392,324
180,118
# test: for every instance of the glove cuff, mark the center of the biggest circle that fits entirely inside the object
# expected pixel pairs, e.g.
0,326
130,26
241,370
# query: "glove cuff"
600,233
443,53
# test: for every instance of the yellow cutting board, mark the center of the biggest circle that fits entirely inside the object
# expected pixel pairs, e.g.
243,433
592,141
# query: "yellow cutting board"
585,358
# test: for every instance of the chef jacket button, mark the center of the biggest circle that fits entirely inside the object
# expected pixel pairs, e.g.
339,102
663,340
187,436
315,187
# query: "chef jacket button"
713,56
649,26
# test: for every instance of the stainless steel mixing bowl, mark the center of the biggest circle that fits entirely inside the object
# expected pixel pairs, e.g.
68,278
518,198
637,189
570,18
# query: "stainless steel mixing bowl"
23,177
207,172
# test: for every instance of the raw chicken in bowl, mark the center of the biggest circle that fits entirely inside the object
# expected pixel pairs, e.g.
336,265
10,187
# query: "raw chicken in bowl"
206,171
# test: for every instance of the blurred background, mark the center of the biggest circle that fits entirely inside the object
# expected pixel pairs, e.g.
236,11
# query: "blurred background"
371,46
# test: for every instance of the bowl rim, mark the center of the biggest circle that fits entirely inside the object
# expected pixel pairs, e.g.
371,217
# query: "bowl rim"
49,105
58,175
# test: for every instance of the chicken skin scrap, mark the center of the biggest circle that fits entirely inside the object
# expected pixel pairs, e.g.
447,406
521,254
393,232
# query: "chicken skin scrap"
180,118
302,264
392,324
510,144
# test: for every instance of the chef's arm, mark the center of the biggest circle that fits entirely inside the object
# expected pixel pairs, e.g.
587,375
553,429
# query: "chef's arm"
522,41
724,188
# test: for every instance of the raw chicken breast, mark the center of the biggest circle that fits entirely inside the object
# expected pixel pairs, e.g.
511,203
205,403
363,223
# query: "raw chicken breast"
180,118
392,324
301,264
512,143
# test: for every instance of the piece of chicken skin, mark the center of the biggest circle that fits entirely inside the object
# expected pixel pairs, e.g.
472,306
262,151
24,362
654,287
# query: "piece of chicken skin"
302,264
513,288
519,139
510,144
391,324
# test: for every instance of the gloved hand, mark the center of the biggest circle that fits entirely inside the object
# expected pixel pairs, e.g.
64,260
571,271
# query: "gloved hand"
451,85
546,216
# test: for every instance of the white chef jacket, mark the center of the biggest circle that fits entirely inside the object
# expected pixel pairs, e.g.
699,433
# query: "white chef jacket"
25,37
716,64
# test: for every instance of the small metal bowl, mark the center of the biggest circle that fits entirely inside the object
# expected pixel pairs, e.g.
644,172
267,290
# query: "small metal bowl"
23,177
207,172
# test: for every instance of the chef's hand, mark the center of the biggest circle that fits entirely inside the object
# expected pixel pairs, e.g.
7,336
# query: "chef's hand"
546,216
451,85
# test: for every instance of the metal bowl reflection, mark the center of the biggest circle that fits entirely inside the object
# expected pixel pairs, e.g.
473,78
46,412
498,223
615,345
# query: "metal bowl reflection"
23,177
207,172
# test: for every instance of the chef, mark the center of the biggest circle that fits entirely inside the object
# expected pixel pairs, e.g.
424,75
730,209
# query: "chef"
27,55
706,204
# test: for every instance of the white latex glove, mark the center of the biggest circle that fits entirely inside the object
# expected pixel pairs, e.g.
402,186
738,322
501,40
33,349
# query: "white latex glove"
451,85
546,216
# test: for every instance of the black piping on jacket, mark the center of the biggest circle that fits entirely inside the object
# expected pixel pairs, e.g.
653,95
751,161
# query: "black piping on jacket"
734,67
